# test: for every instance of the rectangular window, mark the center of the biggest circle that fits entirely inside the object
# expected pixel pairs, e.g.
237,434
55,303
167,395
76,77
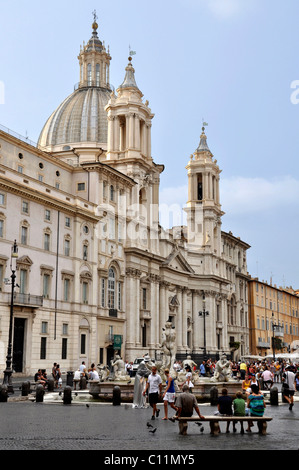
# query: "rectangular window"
25,207
43,348
144,298
64,348
81,187
2,199
1,228
24,234
85,252
44,327
66,247
85,292
46,285
47,215
20,169
23,281
47,242
66,290
67,222
83,344
40,178
65,329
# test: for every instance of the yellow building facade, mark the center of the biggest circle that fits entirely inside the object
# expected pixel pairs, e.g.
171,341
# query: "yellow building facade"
273,313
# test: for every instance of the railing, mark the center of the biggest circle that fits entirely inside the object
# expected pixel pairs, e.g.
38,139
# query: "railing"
28,299
22,138
93,83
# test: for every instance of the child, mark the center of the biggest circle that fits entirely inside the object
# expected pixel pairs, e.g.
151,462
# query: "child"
239,410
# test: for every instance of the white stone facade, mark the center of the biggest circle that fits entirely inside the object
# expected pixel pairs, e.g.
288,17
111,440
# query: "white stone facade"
94,263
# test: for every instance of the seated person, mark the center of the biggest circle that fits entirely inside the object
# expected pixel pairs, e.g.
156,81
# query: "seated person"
224,406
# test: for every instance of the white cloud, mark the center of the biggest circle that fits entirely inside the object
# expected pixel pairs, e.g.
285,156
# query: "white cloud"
241,195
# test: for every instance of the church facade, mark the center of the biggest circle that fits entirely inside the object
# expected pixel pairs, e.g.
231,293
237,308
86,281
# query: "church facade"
96,272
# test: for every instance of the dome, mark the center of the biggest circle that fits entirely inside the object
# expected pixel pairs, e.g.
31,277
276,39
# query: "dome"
80,118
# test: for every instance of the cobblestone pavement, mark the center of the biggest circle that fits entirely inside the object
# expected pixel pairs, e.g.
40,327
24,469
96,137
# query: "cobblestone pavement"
26,425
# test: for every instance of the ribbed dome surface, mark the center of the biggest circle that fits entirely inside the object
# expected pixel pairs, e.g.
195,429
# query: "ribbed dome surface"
80,118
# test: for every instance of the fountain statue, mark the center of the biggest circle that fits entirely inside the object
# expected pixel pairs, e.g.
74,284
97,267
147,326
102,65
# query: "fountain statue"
103,372
168,347
119,369
223,370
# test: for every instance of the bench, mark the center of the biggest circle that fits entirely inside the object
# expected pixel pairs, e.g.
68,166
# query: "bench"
215,420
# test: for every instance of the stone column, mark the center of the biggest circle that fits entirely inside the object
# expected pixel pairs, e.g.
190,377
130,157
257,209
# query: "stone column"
116,134
137,133
110,134
184,318
131,131
149,145
195,319
180,319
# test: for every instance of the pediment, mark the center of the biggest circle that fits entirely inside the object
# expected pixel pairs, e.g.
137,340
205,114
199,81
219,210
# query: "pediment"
25,260
177,262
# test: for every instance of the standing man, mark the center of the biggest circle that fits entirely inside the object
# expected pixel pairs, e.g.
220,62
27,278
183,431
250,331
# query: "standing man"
243,369
289,386
154,387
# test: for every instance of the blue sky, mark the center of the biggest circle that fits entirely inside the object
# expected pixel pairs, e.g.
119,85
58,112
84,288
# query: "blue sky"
231,62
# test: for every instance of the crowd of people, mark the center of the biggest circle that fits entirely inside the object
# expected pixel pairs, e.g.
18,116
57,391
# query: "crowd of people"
254,377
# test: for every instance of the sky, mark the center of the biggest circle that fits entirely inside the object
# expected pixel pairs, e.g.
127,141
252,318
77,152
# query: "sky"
232,63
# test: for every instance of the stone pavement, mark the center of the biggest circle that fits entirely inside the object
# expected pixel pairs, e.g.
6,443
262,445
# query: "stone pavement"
122,431
26,425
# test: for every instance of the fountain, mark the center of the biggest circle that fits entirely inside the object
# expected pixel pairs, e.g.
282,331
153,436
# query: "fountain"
131,389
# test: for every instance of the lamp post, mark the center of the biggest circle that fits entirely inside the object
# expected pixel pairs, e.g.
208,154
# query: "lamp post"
203,314
8,370
274,325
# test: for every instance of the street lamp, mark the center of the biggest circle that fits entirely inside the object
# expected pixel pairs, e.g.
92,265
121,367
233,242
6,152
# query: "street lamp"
274,325
203,314
8,370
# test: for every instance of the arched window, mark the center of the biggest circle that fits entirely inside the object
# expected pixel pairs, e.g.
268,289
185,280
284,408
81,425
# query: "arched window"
98,75
111,288
89,77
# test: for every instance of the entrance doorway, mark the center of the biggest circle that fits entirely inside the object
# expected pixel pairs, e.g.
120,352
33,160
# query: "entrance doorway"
18,344
110,355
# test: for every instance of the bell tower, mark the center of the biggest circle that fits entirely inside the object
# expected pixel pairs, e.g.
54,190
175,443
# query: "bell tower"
129,151
203,206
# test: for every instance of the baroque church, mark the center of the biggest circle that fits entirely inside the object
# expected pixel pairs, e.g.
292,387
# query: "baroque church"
96,273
